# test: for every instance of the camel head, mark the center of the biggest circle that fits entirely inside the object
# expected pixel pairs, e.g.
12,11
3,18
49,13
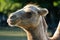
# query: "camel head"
27,17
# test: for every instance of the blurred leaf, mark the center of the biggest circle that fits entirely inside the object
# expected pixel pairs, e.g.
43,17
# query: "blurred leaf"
55,3
15,5
7,6
2,4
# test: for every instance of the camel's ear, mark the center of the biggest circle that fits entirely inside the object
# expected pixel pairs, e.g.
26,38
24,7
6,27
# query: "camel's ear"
43,12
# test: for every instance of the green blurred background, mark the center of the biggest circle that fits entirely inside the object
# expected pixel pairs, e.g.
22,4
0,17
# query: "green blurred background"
9,6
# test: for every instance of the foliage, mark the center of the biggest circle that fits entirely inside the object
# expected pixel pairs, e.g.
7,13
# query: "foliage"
7,6
56,3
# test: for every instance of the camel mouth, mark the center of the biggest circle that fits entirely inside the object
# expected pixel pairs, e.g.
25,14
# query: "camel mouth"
11,22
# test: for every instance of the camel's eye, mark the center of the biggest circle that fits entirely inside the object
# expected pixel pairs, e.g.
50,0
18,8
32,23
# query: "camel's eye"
28,14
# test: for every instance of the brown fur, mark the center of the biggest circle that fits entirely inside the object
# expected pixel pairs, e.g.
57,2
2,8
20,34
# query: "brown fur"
31,20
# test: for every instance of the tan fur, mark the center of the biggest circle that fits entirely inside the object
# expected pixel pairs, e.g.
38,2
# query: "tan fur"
31,20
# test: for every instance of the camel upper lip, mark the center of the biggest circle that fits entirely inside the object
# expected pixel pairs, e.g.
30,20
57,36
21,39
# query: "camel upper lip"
10,21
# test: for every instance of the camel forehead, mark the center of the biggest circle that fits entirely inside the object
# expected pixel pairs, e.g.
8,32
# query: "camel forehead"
31,7
27,9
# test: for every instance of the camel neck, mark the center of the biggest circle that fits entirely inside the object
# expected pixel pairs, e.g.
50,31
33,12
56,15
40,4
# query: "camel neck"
36,33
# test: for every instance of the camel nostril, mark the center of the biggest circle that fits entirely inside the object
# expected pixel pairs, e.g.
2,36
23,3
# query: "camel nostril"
13,17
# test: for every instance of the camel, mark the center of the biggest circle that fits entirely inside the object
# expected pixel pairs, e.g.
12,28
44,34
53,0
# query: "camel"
31,19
